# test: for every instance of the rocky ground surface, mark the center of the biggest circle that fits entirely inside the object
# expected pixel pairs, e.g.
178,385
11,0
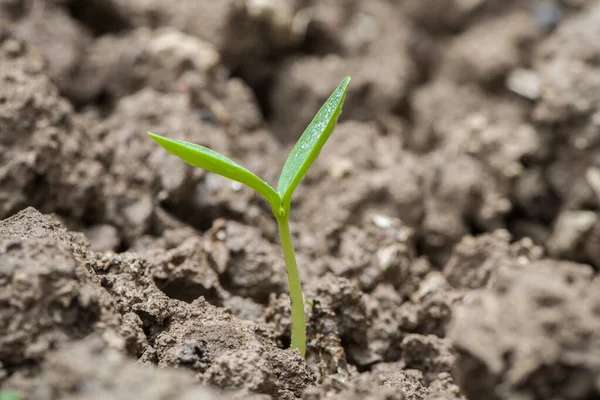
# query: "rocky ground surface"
448,236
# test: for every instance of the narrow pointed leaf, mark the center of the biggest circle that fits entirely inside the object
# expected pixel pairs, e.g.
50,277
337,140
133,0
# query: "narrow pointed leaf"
308,147
210,160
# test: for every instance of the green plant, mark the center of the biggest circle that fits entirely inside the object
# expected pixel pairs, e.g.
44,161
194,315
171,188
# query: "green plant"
9,395
304,153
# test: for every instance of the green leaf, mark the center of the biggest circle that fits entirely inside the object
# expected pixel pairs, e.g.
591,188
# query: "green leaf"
308,147
9,395
203,157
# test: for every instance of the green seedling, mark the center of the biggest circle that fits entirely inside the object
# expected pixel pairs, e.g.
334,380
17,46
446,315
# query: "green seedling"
9,395
304,153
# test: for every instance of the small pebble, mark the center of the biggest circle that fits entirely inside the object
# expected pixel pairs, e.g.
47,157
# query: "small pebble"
12,47
524,82
547,14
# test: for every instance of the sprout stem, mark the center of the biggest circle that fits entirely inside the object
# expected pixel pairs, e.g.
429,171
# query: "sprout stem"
297,303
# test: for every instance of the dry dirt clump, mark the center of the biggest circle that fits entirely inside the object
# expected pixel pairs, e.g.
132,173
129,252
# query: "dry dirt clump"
90,369
60,292
43,161
568,107
48,298
198,336
362,39
538,322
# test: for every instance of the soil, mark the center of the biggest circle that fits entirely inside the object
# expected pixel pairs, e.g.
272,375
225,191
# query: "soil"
448,237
